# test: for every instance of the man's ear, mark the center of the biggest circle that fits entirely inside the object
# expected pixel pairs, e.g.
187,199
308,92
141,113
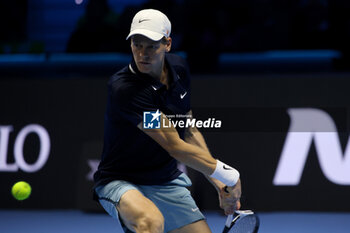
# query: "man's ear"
168,44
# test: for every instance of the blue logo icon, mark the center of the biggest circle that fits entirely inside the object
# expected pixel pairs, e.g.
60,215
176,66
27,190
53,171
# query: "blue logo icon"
151,120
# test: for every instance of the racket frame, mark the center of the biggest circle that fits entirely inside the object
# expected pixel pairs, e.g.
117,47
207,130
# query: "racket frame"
233,219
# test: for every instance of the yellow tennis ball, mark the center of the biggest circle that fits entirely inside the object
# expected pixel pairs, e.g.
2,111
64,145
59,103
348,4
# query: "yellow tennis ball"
21,190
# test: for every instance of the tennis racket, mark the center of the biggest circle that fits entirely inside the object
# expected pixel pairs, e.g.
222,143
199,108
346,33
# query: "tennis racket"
242,221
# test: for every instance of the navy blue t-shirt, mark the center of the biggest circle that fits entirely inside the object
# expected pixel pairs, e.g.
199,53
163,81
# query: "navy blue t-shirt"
128,153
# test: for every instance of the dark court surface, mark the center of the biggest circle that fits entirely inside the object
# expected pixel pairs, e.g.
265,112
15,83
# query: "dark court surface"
58,221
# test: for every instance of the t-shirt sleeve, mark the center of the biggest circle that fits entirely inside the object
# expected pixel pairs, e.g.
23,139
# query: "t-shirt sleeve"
129,102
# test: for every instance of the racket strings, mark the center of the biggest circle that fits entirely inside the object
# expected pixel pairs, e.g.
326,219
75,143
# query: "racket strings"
246,224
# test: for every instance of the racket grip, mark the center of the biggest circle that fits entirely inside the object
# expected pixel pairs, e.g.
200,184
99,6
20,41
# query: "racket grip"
229,220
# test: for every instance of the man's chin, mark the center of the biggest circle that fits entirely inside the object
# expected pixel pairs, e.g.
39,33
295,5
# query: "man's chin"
144,68
143,71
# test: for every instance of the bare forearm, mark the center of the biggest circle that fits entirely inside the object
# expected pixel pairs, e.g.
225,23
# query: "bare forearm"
195,137
194,157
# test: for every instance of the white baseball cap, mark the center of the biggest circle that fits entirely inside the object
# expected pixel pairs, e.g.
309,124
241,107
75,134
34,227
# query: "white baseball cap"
150,23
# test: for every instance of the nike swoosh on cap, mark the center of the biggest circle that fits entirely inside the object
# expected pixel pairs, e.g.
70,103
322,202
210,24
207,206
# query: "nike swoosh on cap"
142,20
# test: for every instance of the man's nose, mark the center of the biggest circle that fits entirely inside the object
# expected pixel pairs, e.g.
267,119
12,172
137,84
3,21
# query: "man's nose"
143,53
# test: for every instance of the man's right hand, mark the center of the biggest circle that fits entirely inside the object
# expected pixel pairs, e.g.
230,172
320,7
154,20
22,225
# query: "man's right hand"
230,198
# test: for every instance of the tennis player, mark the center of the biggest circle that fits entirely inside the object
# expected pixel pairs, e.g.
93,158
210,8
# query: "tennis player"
137,181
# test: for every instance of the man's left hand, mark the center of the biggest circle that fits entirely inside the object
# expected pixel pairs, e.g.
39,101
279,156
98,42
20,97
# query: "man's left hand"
229,198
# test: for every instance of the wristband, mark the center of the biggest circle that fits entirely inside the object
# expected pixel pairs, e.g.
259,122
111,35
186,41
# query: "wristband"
225,173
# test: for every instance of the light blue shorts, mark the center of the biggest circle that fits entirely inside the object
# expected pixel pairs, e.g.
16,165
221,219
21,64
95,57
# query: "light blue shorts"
173,200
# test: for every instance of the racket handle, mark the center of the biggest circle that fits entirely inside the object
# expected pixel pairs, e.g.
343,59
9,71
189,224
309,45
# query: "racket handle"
229,220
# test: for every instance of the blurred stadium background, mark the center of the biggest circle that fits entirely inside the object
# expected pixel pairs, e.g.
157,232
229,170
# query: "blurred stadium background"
276,72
